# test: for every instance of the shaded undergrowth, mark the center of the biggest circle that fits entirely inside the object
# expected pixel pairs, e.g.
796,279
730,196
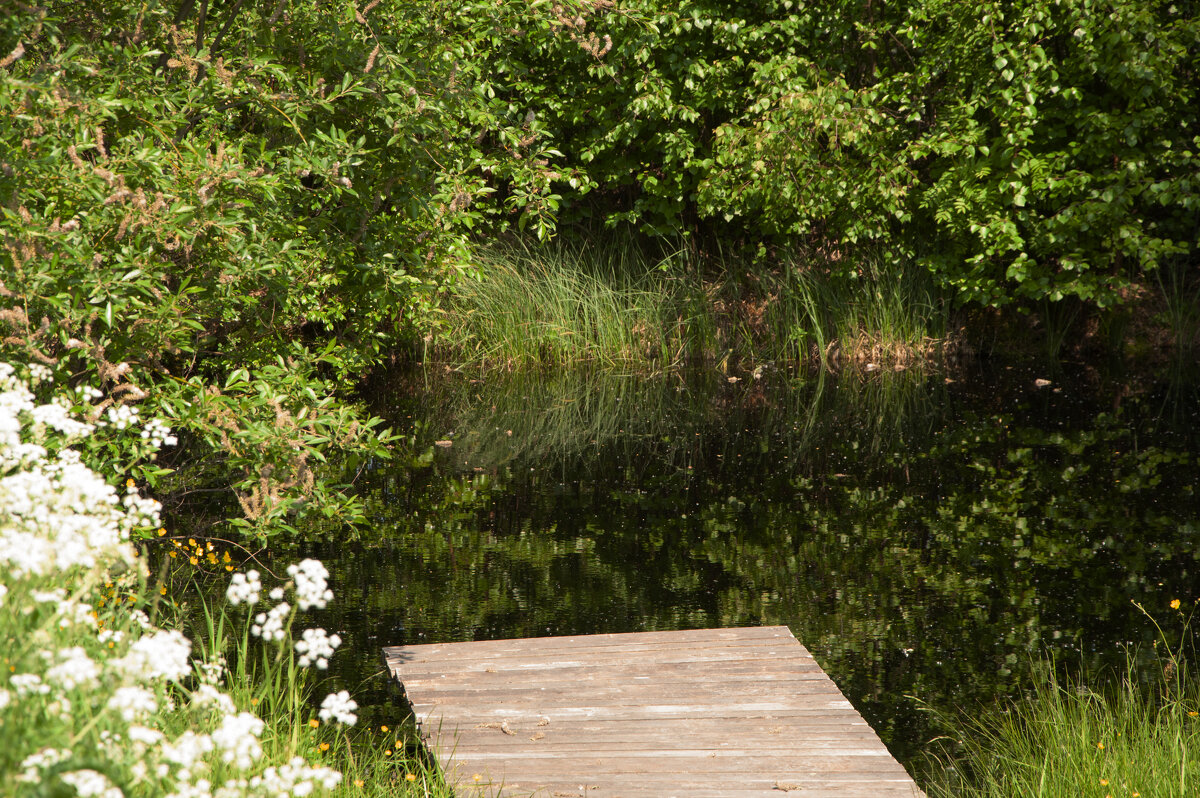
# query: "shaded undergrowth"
614,304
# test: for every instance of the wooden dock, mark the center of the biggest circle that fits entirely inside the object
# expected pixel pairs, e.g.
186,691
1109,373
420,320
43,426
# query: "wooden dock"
733,713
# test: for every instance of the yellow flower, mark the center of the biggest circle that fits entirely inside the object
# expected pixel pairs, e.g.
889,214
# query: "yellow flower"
1100,746
410,777
387,752
383,728
163,590
1103,782
477,777
193,561
323,746
228,567
314,723
162,531
358,782
1175,604
129,483
191,541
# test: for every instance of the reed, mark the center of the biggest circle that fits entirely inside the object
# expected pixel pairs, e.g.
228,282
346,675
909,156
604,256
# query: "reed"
1140,738
561,303
613,303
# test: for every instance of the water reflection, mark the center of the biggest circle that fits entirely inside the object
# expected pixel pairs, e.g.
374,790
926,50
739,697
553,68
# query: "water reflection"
925,538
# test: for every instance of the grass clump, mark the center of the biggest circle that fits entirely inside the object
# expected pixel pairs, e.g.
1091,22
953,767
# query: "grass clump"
1135,740
615,304
560,303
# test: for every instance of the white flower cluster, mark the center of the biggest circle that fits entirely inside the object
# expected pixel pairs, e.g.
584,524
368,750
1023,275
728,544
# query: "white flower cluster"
237,739
91,784
272,626
161,655
39,373
338,708
316,647
244,588
113,690
120,416
207,694
296,778
311,581
73,669
133,703
158,434
31,767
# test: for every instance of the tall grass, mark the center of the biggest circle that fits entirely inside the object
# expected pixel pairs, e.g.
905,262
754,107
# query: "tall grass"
572,304
1181,300
1141,737
612,303
885,315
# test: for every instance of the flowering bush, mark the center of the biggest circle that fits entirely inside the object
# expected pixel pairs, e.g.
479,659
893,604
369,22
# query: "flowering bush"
102,701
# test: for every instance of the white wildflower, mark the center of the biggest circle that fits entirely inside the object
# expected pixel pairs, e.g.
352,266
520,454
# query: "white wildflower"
113,636
74,669
311,581
90,784
187,751
144,736
212,671
207,694
158,434
57,415
276,594
201,789
339,708
316,647
74,613
162,655
237,738
39,373
28,684
244,588
31,767
133,703
121,416
269,625
296,778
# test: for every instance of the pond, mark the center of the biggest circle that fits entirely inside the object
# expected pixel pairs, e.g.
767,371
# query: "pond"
929,538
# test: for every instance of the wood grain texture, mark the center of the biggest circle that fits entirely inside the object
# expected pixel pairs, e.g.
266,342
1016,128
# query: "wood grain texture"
706,713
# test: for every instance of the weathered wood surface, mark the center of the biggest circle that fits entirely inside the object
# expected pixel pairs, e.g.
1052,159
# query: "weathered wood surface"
714,712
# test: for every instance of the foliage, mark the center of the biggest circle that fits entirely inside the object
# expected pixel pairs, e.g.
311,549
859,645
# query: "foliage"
1018,151
101,693
233,211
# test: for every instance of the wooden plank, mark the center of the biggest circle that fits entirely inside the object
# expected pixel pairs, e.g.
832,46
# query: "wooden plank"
723,713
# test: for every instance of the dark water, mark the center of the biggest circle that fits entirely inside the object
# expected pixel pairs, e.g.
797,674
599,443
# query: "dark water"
928,539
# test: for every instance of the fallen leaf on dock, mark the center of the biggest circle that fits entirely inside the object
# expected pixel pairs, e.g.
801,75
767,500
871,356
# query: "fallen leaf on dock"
502,726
